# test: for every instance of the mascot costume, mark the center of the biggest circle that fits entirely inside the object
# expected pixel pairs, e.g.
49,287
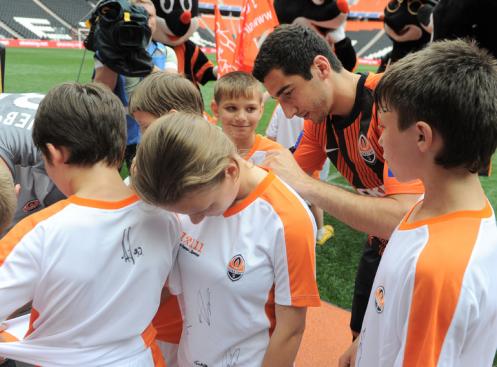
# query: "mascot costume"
406,24
326,17
176,22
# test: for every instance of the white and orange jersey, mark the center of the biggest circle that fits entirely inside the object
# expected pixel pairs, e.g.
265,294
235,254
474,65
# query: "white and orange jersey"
94,272
233,269
434,297
257,153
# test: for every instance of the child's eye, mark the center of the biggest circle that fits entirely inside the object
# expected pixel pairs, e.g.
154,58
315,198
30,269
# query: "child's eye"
251,109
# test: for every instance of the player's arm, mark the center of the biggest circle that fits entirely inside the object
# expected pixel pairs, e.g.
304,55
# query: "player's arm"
285,341
347,359
377,216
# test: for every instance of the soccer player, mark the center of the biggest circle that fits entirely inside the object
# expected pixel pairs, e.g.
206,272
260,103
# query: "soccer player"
434,298
245,268
299,69
85,261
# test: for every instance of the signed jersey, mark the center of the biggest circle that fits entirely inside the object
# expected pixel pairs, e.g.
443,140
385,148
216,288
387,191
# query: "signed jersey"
257,153
233,269
94,271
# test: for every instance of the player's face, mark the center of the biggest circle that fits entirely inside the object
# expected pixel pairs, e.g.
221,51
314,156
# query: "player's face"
308,99
399,147
144,119
207,202
240,116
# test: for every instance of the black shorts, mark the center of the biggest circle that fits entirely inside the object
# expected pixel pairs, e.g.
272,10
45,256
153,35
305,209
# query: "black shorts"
366,271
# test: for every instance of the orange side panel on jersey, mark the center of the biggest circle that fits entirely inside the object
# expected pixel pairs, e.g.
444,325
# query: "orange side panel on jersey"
5,337
180,55
270,311
32,318
303,286
148,337
168,321
435,296
14,236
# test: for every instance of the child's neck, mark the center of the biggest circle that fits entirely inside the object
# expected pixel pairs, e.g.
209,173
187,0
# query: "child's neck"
250,177
450,190
99,182
245,144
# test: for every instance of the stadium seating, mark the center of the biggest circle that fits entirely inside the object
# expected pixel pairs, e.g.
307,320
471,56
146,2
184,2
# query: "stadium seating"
28,9
71,11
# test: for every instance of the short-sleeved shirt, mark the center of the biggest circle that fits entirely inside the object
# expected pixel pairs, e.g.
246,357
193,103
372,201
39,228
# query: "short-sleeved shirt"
284,130
434,297
233,269
24,160
94,271
257,153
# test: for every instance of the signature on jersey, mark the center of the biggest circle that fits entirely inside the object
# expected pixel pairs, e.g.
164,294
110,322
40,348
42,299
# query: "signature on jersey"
129,252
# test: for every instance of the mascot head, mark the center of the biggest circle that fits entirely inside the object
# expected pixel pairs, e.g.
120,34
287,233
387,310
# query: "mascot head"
176,20
324,16
406,23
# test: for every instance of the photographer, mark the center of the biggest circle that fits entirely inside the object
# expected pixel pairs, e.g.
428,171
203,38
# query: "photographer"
163,58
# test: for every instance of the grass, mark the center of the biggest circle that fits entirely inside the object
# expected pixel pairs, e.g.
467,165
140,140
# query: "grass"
37,70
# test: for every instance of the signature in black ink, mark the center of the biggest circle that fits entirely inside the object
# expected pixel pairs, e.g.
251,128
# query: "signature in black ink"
198,363
231,358
129,253
204,305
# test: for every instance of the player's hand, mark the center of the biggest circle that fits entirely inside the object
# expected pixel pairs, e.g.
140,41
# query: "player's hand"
286,167
347,359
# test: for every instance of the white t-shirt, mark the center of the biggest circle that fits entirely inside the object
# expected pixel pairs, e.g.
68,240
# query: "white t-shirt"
434,297
94,271
233,269
284,130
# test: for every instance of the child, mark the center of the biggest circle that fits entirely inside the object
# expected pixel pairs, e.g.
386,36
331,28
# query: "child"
154,97
85,261
159,93
245,270
434,297
238,105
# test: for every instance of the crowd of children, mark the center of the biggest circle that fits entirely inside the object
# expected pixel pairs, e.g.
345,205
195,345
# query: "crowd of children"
205,257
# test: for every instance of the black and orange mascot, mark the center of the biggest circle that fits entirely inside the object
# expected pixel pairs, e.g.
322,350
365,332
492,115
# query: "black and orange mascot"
177,20
326,17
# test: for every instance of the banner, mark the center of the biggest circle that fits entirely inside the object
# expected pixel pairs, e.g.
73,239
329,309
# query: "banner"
225,45
257,20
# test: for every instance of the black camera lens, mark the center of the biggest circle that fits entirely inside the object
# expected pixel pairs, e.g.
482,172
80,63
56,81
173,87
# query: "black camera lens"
110,11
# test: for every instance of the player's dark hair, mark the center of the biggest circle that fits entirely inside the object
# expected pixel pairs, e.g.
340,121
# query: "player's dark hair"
452,86
292,49
87,119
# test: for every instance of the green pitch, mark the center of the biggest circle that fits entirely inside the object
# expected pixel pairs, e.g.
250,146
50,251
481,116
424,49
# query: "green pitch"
37,70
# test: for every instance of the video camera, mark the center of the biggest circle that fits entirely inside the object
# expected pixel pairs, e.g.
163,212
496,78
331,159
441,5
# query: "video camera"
119,36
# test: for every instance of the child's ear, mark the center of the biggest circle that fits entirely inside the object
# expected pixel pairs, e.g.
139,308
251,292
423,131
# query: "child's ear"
425,136
214,108
57,155
232,170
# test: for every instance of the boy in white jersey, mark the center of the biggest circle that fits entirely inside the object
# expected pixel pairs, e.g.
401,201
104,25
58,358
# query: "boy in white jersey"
245,270
85,261
434,297
154,97
238,105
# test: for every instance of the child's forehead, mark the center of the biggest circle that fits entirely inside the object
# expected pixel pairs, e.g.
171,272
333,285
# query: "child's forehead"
246,96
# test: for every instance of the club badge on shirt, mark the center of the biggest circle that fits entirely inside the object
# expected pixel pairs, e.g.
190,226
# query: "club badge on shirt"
236,267
379,300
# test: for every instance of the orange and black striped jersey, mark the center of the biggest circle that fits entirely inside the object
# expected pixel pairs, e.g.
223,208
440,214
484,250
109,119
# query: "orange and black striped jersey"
351,143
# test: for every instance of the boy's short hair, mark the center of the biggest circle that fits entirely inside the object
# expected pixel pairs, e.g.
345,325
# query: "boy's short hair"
292,49
87,119
452,86
180,152
162,92
8,199
237,84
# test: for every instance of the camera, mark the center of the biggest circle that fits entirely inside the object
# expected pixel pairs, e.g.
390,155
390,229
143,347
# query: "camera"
119,36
